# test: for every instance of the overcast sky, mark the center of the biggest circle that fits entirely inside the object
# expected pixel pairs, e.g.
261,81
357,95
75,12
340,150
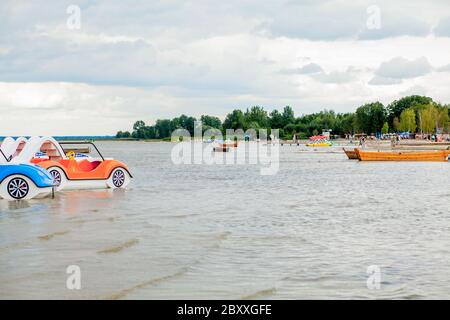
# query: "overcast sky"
132,60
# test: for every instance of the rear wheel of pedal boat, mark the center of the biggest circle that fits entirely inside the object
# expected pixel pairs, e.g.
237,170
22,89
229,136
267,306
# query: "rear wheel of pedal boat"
119,178
59,177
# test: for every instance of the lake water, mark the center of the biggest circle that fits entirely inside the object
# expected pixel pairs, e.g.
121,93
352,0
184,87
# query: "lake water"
217,231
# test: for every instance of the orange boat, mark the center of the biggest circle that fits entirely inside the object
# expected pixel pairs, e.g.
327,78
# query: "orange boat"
351,154
433,156
225,147
79,171
230,145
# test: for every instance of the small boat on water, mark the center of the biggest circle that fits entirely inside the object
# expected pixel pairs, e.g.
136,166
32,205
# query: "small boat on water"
351,154
426,156
229,144
221,149
319,141
319,144
225,146
21,180
74,170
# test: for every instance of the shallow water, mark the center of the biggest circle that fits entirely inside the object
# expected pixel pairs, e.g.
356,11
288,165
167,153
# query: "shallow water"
201,231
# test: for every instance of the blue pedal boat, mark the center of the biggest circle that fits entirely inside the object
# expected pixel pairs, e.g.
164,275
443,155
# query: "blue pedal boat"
23,181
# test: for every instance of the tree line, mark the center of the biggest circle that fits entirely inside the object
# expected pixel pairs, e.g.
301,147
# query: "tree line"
414,114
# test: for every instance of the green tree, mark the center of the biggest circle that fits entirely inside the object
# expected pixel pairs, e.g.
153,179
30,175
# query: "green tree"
288,116
276,119
234,120
396,107
443,121
183,122
211,122
370,117
258,115
347,124
408,120
385,128
290,128
428,119
163,128
138,125
396,124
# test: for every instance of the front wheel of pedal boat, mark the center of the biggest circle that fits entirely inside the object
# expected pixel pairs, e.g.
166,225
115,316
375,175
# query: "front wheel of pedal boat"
119,178
59,177
18,187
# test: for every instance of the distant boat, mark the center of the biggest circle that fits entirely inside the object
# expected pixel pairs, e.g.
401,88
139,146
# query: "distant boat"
221,149
432,156
319,144
319,141
351,154
225,147
230,144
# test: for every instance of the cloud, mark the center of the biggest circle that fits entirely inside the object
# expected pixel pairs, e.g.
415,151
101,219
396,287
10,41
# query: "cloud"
445,68
415,90
331,20
443,28
310,68
382,81
316,21
306,69
401,68
349,75
395,26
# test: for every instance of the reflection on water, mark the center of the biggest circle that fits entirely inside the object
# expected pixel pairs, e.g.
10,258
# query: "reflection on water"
199,231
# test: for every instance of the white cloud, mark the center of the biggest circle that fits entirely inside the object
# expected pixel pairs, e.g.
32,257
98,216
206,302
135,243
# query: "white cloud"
349,75
401,68
382,81
415,90
445,68
443,28
309,68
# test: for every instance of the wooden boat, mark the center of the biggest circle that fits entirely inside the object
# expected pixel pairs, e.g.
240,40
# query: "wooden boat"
230,145
441,155
351,154
222,148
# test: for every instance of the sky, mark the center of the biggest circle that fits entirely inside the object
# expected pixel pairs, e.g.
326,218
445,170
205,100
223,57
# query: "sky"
94,67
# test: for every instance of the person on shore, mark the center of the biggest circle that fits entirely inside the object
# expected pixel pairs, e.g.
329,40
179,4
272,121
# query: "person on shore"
361,141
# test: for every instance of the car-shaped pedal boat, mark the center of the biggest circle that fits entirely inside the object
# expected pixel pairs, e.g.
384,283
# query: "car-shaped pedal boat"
11,147
23,181
78,171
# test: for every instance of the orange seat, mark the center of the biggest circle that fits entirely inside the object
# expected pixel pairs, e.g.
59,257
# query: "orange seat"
86,165
82,166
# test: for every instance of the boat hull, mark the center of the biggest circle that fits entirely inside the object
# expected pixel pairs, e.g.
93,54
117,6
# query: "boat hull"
351,154
425,156
318,144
